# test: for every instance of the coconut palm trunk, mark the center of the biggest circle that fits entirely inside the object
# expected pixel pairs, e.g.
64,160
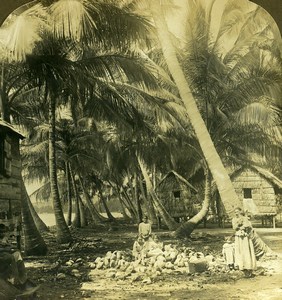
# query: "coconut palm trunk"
103,200
63,234
123,211
77,221
148,204
168,220
68,179
4,106
185,229
96,217
122,205
217,169
130,205
41,226
137,198
34,244
134,196
220,175
82,212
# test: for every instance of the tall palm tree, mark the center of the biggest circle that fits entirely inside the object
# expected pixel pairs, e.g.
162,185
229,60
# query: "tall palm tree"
218,171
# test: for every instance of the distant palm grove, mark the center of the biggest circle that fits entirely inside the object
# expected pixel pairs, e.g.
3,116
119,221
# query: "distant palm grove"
113,95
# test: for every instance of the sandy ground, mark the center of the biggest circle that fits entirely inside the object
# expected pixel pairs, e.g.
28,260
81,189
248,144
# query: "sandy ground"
93,284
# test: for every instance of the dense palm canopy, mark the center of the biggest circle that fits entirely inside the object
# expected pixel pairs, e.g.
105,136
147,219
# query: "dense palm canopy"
88,83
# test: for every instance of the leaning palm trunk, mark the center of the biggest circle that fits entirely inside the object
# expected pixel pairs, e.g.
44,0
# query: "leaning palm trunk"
96,217
77,221
69,215
122,206
130,205
63,234
169,221
33,242
125,204
40,225
219,173
123,211
109,214
137,198
185,229
82,212
259,245
134,197
148,204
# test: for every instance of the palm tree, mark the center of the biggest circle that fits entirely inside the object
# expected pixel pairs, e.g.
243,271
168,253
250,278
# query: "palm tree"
51,70
220,175
34,243
214,116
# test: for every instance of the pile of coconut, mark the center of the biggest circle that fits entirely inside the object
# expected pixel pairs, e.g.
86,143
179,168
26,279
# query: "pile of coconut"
170,259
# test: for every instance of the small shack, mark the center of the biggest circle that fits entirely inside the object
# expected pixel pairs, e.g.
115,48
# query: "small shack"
10,173
177,195
259,191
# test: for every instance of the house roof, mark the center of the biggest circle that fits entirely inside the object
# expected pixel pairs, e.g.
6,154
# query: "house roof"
10,128
180,178
263,172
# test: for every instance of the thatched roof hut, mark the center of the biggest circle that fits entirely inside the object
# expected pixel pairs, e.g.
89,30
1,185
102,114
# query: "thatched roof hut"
257,188
177,195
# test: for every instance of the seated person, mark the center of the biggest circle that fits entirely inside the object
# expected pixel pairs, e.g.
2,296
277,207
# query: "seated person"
12,266
137,250
152,246
145,229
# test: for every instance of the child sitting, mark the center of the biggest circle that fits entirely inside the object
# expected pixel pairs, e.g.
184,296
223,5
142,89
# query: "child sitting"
228,251
138,248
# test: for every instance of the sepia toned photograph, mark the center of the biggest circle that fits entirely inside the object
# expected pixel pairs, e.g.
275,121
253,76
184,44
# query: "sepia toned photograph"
140,149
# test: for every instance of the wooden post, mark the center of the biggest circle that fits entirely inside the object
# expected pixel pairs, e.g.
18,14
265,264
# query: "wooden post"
273,221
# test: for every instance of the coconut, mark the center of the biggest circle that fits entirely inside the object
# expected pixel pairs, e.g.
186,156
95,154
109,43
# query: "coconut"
159,265
173,255
169,265
124,266
161,258
112,263
147,280
152,260
92,265
69,263
181,263
109,254
130,269
98,259
209,258
168,247
113,256
100,265
106,262
118,255
61,276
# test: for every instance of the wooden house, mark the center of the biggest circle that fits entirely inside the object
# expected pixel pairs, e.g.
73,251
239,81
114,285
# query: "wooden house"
259,190
10,172
177,195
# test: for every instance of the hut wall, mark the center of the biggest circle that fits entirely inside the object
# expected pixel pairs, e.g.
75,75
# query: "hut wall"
262,191
10,187
177,207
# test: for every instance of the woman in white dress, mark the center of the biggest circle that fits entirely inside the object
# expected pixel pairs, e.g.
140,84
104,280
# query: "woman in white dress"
245,258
